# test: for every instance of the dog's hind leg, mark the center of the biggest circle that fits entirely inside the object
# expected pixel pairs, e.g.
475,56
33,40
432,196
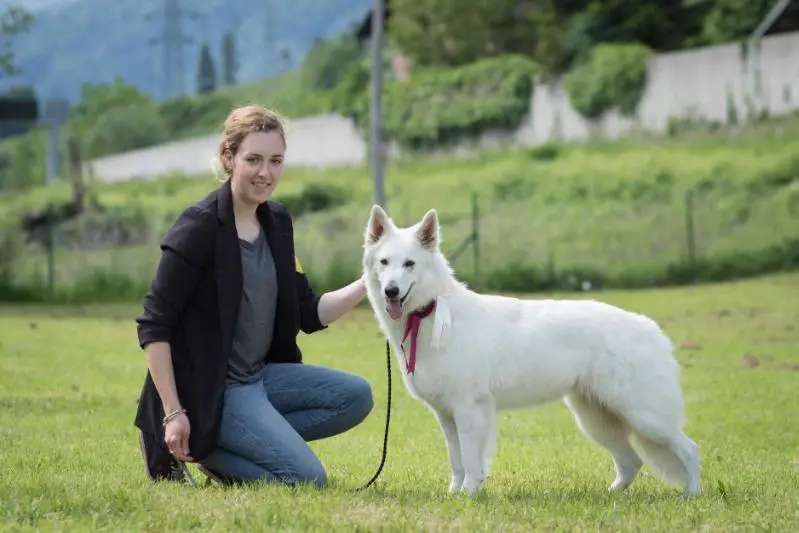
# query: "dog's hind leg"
447,423
473,421
607,430
671,455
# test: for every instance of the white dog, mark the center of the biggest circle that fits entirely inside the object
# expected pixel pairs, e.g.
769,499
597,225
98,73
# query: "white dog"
467,355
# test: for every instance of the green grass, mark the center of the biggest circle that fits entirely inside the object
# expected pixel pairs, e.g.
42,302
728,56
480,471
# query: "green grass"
69,459
615,208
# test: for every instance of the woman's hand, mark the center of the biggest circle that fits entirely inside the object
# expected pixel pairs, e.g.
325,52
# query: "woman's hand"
333,305
176,437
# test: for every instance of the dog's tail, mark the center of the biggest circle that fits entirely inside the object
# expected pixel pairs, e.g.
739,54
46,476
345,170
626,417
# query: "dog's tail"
676,462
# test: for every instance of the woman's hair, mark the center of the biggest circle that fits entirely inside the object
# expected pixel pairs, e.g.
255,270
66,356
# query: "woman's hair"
239,123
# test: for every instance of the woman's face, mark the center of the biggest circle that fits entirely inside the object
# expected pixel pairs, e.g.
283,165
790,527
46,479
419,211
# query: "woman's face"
258,166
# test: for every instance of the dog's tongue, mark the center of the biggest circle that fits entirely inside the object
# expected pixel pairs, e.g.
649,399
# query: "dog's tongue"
394,308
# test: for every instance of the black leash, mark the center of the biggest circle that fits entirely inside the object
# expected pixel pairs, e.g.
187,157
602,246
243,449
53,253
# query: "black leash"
388,418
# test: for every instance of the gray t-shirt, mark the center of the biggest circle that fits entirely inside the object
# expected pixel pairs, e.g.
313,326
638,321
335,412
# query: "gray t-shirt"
255,326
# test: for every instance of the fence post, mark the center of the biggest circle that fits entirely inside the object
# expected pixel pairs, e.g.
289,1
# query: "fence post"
689,226
50,239
475,234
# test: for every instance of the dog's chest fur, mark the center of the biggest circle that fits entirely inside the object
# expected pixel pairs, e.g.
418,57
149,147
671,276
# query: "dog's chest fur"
435,379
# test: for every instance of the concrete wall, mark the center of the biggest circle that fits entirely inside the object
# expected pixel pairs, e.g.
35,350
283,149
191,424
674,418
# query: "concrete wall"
718,83
315,141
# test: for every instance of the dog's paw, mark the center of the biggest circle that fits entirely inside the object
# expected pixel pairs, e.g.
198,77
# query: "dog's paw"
470,486
455,484
619,485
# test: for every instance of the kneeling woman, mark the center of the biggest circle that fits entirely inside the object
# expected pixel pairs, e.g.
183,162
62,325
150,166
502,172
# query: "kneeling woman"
226,385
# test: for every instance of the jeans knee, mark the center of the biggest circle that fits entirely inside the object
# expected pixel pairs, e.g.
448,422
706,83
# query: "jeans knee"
362,400
310,474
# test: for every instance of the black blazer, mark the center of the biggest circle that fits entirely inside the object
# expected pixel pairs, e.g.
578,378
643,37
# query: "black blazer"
193,304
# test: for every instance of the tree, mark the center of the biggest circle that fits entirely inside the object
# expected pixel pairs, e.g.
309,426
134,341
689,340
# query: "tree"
731,20
96,100
230,63
13,21
328,60
449,33
206,71
554,33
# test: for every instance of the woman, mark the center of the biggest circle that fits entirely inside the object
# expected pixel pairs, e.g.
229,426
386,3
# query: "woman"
226,386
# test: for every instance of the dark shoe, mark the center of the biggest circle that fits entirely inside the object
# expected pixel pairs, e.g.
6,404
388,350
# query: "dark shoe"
159,464
222,479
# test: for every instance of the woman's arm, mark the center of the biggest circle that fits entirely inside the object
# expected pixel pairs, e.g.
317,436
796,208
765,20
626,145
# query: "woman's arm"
333,305
178,430
185,250
159,362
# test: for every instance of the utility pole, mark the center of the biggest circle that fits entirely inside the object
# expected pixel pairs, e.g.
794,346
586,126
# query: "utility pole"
272,66
172,41
378,16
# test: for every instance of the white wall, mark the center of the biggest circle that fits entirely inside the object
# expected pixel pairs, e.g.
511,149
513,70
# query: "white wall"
315,141
689,84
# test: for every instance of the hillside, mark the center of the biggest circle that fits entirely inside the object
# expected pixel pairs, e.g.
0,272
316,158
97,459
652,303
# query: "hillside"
34,5
623,214
89,41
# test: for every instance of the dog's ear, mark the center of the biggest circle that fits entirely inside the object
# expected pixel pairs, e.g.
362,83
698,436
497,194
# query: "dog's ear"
378,225
428,231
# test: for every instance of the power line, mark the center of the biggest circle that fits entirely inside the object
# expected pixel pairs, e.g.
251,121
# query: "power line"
172,41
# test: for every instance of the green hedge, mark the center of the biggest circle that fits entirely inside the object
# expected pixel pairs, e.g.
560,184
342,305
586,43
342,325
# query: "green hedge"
612,76
780,257
107,284
437,107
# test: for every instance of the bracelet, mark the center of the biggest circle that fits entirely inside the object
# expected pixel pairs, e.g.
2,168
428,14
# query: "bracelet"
172,415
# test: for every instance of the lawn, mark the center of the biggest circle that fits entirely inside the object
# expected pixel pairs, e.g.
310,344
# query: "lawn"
619,209
70,377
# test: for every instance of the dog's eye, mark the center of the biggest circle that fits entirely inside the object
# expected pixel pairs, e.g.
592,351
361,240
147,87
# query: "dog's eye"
408,263
384,261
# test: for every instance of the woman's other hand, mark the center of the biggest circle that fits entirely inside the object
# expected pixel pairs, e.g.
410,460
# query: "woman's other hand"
176,436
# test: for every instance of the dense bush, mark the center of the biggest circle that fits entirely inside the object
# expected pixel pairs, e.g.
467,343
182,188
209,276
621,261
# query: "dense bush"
557,216
123,128
612,76
437,106
191,115
525,277
350,96
313,198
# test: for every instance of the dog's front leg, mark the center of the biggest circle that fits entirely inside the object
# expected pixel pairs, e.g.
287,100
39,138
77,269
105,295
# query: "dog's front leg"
474,425
447,423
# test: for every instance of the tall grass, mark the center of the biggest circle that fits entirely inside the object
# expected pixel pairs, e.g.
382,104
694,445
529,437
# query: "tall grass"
612,214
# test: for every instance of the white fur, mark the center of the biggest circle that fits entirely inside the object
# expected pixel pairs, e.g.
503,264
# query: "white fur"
614,369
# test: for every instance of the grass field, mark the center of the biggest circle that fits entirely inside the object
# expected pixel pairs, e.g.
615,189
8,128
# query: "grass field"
69,459
616,208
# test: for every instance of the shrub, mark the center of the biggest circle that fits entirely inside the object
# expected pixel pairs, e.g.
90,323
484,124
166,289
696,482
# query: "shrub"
126,127
192,115
611,76
439,106
313,198
350,96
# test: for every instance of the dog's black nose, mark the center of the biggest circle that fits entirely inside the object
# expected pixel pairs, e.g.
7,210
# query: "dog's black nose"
392,291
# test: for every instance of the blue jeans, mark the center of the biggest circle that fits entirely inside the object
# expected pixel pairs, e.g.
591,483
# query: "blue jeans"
266,425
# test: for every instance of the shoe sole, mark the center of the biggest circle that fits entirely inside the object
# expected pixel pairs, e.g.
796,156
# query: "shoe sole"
213,476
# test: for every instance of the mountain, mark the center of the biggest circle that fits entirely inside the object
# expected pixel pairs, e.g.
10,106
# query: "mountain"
33,5
77,41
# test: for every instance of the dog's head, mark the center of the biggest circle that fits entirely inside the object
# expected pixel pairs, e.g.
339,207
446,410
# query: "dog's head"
403,265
